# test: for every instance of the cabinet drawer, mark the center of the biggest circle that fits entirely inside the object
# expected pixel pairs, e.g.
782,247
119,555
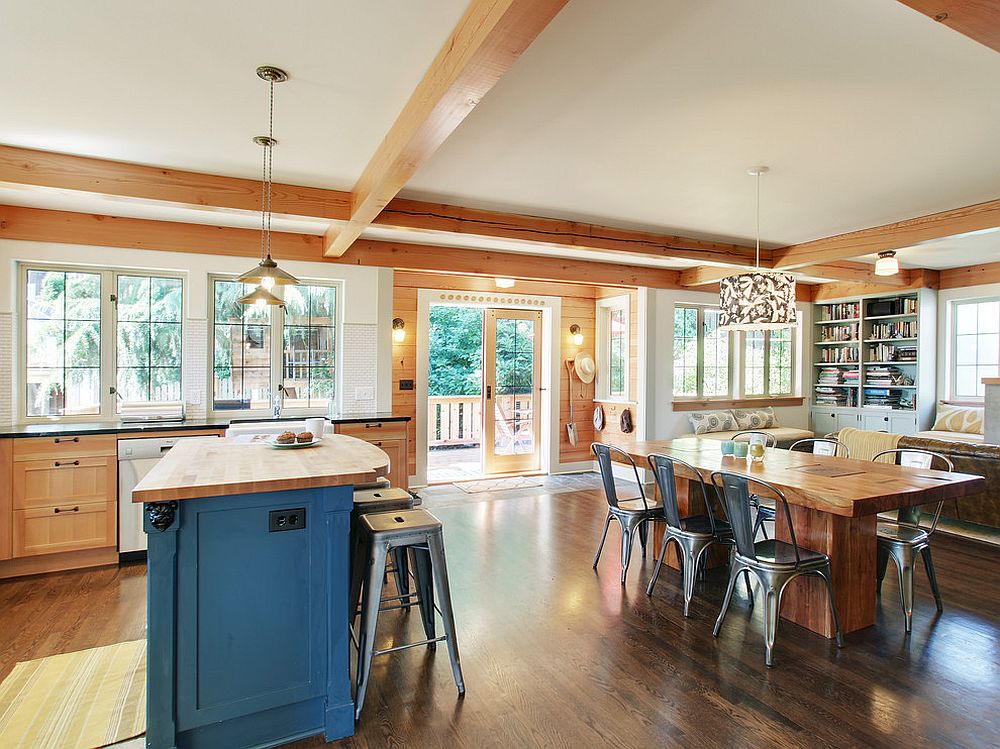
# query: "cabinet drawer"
80,446
374,430
47,483
68,527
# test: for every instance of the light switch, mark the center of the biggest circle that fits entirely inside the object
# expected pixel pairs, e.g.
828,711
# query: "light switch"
364,394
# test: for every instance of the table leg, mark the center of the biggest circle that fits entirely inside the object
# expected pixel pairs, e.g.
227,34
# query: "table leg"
851,546
689,502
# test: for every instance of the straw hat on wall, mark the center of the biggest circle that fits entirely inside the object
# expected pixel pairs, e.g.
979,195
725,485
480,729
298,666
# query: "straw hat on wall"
586,368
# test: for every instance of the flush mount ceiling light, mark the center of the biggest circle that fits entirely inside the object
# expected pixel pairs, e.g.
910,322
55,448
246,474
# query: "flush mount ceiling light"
267,274
887,264
758,300
504,283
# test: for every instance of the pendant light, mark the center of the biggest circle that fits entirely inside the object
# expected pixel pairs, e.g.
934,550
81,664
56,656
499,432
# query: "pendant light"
267,274
758,300
887,264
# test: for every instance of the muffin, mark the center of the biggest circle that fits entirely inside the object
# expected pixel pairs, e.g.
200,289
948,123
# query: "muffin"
285,438
304,436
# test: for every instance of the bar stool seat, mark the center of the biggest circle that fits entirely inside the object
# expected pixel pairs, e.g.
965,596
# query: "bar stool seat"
418,532
379,496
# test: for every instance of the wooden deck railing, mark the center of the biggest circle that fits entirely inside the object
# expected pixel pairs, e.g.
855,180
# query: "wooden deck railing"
454,420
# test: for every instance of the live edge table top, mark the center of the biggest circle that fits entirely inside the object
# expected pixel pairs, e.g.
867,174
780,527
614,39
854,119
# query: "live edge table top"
840,486
197,468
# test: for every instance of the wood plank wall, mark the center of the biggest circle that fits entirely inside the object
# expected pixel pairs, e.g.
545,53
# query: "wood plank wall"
612,432
578,306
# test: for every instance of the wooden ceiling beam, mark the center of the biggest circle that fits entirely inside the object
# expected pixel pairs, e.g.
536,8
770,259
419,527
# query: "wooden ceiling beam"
839,271
916,278
46,170
976,19
487,40
966,220
416,215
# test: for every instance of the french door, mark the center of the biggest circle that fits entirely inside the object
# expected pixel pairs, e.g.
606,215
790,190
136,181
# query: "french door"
512,366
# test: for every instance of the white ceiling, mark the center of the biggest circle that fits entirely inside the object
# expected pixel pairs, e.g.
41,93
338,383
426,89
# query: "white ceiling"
953,252
641,113
172,83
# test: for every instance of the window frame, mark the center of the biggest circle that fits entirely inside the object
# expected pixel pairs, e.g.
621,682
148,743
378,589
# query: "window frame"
108,367
699,395
277,338
605,307
952,352
792,380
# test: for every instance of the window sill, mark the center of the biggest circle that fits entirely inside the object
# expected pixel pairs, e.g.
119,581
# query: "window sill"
618,401
708,405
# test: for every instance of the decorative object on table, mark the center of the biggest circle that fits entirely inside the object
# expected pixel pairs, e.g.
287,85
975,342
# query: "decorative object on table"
598,417
81,700
740,449
311,441
758,300
571,431
267,274
586,368
316,425
756,448
285,438
625,422
728,447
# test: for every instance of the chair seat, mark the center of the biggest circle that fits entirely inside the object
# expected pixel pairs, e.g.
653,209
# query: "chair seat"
399,523
775,553
700,524
635,505
900,533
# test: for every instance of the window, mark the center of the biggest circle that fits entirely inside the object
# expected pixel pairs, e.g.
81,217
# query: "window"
246,365
767,362
613,347
93,340
701,354
975,346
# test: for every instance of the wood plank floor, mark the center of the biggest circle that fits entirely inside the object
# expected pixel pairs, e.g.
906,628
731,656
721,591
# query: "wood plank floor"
557,655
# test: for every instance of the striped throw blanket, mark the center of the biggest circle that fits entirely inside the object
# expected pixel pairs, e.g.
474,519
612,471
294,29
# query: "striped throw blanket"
866,445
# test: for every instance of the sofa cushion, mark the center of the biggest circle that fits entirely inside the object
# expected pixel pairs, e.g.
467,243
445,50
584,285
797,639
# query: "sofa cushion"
932,434
967,419
712,421
755,418
784,435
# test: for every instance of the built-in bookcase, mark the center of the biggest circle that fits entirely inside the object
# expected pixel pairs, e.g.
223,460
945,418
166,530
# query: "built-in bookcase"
874,363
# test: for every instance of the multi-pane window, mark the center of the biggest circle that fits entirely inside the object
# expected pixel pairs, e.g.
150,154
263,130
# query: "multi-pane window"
618,352
715,356
767,362
976,346
685,352
62,343
149,341
754,360
248,363
701,354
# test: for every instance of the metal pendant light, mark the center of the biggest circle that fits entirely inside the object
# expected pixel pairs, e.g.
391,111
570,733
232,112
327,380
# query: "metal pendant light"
759,300
267,274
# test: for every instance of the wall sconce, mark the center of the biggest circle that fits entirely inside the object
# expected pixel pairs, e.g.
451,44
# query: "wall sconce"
398,330
576,334
504,283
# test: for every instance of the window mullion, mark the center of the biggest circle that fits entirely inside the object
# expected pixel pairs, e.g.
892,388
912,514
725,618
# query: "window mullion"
767,363
700,372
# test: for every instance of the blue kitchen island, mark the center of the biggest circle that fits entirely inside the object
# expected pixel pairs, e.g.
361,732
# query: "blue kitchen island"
248,591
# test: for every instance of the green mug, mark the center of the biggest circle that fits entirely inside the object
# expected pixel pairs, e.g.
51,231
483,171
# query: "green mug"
740,449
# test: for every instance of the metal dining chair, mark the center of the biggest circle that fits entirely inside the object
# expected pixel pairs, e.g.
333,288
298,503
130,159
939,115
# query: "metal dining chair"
632,514
774,563
769,439
903,538
694,534
764,511
824,446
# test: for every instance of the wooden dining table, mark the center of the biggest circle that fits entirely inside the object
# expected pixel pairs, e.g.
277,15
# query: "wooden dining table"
833,503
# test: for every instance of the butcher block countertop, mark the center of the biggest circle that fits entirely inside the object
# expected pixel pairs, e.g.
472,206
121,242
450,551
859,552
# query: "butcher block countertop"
198,468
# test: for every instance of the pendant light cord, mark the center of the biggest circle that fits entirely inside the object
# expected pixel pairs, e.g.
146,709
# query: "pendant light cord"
758,220
270,146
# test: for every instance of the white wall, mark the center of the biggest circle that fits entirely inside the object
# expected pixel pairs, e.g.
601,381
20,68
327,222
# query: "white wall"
366,313
663,421
944,322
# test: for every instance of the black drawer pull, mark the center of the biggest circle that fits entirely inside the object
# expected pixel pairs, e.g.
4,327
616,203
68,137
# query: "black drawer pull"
57,510
377,425
64,463
64,439
377,444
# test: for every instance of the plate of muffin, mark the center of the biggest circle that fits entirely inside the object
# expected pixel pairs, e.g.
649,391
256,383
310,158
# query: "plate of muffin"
293,440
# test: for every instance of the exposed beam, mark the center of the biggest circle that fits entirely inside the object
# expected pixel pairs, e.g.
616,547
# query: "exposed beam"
839,271
488,39
970,275
24,167
437,217
976,19
918,278
906,233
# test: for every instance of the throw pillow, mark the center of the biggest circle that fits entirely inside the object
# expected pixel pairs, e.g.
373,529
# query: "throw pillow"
762,418
713,421
967,419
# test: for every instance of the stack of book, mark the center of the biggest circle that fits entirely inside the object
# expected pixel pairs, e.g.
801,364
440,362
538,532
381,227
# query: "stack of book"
830,376
852,377
881,398
886,376
827,396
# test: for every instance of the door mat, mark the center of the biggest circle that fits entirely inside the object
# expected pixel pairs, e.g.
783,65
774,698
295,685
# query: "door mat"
498,485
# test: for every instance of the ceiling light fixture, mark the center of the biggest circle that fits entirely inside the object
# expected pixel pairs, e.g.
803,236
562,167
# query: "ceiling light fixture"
267,274
887,264
758,300
504,283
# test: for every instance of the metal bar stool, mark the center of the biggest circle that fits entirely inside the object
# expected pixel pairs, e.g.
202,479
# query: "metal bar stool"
378,496
419,532
774,563
903,539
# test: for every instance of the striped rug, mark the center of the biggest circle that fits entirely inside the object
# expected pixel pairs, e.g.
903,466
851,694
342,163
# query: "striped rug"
83,700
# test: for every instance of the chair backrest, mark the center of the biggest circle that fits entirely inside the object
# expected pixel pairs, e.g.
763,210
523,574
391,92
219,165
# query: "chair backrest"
824,446
735,490
603,454
662,467
912,458
769,439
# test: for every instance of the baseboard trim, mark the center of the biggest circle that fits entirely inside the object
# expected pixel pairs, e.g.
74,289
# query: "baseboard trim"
66,560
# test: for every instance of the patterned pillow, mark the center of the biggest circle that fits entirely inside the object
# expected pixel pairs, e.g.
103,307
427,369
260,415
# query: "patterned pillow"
755,419
967,419
713,421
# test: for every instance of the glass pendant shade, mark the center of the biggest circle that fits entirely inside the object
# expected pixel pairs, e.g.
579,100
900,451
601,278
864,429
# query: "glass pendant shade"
261,297
268,274
757,301
887,264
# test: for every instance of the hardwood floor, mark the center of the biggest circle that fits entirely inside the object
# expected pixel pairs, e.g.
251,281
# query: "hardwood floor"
555,654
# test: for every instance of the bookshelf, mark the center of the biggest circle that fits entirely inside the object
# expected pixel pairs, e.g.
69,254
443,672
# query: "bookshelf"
869,369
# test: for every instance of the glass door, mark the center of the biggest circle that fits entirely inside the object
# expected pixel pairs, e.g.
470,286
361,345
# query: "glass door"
512,386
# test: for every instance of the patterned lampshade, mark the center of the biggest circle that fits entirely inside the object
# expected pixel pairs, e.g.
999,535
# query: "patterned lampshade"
757,301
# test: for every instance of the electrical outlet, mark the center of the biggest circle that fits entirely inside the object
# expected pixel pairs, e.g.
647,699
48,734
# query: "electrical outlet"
364,394
406,384
286,520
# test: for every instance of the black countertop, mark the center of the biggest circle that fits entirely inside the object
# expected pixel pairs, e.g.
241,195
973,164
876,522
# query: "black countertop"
60,428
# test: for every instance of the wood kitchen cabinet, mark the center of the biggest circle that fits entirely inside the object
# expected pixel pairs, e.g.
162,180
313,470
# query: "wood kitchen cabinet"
391,437
6,509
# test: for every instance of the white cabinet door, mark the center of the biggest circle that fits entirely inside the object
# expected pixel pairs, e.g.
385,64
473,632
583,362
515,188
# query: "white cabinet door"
848,419
903,423
877,421
824,422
